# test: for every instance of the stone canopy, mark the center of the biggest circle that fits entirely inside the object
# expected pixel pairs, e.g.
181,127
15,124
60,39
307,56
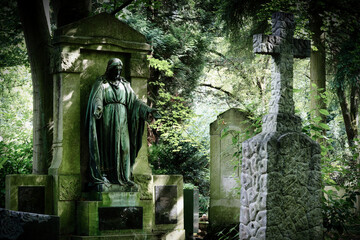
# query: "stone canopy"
102,28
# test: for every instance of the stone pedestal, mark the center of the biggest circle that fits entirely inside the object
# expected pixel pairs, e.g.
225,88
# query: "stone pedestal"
125,214
226,135
281,187
81,52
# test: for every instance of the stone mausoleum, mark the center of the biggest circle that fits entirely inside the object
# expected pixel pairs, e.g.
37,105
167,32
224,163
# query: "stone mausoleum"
82,51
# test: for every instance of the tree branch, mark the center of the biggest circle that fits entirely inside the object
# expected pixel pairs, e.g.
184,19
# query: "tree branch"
217,88
228,94
124,5
225,58
346,116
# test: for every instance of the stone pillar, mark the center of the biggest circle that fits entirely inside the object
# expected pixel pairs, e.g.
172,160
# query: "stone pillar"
225,167
191,212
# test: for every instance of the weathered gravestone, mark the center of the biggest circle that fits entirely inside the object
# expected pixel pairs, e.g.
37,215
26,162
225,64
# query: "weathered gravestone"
28,226
224,206
81,53
281,178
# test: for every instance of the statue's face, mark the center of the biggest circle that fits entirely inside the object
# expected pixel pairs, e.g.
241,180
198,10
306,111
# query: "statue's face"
114,72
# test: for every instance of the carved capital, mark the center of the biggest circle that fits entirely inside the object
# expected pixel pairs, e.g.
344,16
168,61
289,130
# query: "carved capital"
69,187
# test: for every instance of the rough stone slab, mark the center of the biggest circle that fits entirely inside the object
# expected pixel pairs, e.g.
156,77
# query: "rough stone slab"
144,181
139,68
28,226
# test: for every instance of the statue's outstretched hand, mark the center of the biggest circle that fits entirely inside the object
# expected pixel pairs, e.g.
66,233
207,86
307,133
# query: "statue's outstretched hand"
155,113
98,112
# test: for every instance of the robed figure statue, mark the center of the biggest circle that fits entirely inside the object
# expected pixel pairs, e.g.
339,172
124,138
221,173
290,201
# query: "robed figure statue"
115,119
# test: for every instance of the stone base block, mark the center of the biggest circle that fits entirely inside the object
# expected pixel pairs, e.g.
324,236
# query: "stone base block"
224,215
174,235
168,202
111,214
29,193
116,213
137,236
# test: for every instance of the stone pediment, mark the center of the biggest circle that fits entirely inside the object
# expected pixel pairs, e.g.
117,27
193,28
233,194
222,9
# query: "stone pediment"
102,25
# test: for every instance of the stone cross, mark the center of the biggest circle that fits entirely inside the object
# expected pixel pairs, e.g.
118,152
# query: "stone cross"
283,48
281,171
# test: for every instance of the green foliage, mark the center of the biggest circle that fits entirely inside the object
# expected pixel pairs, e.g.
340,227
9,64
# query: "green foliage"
189,162
223,233
161,65
339,211
12,44
179,32
347,75
338,173
177,124
204,202
16,158
15,127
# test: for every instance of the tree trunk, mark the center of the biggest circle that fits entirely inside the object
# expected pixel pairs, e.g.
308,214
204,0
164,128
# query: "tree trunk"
317,67
346,115
37,37
33,16
351,122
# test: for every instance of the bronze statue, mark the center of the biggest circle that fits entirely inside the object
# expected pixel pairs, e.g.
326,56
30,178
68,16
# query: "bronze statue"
115,120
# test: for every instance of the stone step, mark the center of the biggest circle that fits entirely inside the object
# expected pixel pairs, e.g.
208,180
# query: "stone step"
136,236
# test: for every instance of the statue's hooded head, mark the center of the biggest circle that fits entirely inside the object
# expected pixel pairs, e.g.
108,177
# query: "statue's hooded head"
113,69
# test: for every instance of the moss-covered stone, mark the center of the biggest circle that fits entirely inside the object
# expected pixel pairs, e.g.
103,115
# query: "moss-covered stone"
67,214
13,182
224,216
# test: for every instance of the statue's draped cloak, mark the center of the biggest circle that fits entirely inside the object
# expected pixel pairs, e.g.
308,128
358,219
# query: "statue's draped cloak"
115,133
